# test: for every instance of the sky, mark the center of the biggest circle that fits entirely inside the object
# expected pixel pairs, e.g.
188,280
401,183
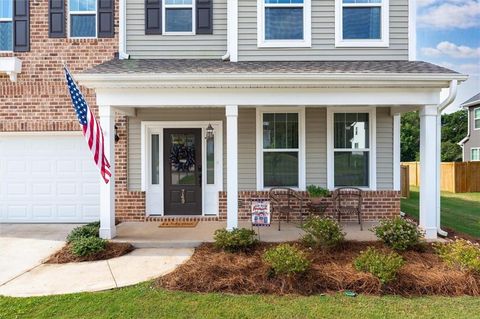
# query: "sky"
448,34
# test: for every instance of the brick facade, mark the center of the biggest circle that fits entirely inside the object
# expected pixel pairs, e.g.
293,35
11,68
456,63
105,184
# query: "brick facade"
376,205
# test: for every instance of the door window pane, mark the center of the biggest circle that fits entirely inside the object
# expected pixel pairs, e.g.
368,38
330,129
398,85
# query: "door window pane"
280,169
6,36
178,20
351,169
155,160
210,161
6,9
361,23
182,159
283,23
83,25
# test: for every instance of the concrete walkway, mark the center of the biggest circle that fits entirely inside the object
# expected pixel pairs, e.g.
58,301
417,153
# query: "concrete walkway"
23,247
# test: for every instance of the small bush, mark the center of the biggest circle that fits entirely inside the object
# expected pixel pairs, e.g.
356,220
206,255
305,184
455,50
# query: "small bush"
286,259
88,230
88,245
239,239
317,191
398,233
322,232
383,266
460,254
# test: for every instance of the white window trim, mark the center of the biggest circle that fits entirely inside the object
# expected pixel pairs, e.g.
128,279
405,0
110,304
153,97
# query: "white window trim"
307,26
372,142
70,13
384,41
471,154
475,118
178,6
301,144
13,31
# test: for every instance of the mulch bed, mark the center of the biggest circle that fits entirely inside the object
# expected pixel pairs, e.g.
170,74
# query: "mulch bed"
112,250
211,270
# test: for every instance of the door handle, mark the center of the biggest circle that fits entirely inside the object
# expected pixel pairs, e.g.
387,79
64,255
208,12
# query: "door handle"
182,196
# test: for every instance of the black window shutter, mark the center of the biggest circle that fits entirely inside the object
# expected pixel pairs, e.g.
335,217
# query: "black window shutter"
105,16
153,16
204,16
56,19
21,26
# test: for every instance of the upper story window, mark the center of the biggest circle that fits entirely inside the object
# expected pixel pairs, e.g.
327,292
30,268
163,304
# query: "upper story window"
475,154
6,25
361,23
179,16
284,23
83,18
476,118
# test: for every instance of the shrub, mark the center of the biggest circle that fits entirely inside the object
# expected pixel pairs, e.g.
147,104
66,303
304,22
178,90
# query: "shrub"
88,230
383,266
460,254
322,232
87,245
286,259
239,239
317,191
398,233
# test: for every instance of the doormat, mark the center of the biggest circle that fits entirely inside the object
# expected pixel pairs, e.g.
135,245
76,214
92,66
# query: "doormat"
178,223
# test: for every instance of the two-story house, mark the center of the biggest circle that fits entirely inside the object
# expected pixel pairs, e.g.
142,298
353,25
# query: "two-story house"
209,104
471,143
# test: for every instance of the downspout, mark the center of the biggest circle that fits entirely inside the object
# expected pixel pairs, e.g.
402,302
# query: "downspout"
232,31
452,93
122,41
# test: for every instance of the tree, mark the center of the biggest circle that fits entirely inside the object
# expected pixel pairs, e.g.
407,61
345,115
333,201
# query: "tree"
454,129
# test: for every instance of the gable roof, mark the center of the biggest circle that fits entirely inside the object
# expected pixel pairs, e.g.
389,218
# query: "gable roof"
474,100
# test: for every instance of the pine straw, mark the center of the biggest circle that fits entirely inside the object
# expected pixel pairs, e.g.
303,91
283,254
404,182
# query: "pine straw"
112,250
210,270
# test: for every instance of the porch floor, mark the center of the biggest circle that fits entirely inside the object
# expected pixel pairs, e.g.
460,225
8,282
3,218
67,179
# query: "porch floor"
149,235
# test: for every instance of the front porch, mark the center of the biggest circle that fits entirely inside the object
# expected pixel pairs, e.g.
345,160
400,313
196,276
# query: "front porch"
149,235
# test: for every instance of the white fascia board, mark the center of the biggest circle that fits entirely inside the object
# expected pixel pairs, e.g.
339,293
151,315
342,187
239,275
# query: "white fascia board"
11,66
283,80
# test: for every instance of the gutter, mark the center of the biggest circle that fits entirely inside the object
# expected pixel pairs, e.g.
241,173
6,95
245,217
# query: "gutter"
452,93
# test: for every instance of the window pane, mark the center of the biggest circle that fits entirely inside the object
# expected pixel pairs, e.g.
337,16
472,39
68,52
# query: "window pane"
83,25
83,5
178,1
477,113
283,1
477,123
283,23
6,37
351,130
362,1
351,168
155,160
280,169
292,130
210,161
6,10
475,154
361,23
178,20
280,130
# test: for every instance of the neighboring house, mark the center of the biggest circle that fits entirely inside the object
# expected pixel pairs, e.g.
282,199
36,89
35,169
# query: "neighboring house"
471,143
213,102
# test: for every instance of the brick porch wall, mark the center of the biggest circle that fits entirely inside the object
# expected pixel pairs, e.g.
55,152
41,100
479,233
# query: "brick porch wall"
376,205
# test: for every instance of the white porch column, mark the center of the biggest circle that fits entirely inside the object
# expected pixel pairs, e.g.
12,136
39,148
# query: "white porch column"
107,191
231,112
428,170
396,151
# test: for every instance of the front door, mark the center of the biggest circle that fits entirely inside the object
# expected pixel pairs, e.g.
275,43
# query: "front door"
183,171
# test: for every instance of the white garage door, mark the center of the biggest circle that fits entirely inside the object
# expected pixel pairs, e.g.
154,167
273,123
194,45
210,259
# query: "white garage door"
47,178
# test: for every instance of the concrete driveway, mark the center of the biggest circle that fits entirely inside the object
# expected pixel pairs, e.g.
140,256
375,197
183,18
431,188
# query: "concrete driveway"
24,246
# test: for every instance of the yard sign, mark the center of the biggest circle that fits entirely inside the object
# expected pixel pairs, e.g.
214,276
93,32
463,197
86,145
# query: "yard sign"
261,213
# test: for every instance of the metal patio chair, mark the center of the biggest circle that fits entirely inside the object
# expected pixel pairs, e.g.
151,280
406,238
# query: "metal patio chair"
348,201
283,201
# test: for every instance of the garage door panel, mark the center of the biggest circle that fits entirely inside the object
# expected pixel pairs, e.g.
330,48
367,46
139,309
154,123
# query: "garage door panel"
47,179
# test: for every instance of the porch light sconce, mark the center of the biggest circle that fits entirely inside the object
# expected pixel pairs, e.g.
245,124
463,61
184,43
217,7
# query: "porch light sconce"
209,131
117,138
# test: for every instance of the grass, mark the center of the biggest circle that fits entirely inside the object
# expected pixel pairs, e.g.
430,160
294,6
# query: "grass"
460,211
142,301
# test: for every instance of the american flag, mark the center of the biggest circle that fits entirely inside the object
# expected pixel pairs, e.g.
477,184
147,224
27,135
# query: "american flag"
90,126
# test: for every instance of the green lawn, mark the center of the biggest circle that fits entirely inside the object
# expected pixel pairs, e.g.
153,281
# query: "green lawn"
460,212
142,301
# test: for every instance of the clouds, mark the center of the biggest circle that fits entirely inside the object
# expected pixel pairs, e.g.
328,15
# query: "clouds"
461,14
446,48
